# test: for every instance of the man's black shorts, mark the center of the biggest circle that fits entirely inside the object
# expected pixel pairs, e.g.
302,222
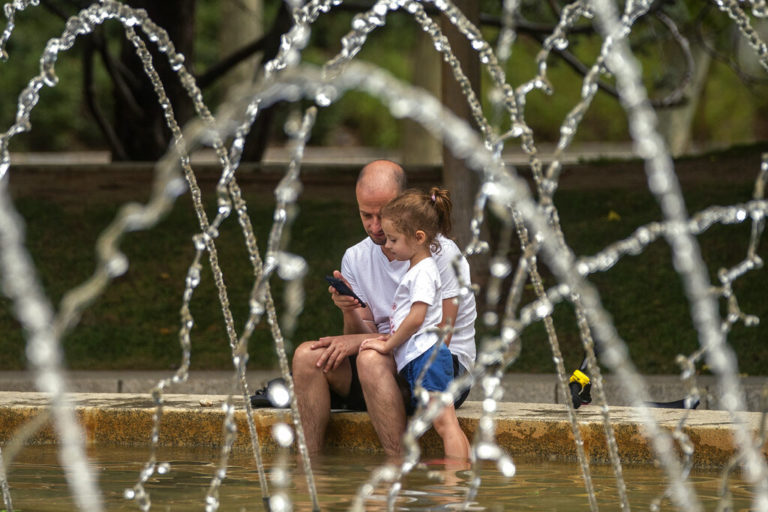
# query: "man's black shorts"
354,401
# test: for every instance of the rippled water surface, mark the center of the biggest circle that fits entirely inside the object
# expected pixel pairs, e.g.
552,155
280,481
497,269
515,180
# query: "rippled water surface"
38,484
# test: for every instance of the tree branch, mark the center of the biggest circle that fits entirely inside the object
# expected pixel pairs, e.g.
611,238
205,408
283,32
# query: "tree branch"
90,100
227,63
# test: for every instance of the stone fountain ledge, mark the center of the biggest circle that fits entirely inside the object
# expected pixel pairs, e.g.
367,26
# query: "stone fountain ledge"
518,387
523,429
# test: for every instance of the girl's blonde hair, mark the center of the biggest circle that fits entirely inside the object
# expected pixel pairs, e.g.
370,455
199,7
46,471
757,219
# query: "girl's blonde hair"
414,210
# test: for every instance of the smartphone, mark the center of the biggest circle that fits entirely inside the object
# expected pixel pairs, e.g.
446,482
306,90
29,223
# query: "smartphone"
343,289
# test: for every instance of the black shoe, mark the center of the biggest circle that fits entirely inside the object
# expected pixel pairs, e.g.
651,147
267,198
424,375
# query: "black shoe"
263,398
685,403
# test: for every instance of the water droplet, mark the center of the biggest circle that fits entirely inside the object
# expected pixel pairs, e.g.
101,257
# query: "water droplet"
300,36
175,187
487,451
486,424
280,476
436,476
177,62
326,95
193,277
544,308
380,9
283,434
358,23
211,503
490,318
291,266
278,502
500,267
388,473
117,265
507,467
199,242
225,208
279,394
257,308
560,43
288,192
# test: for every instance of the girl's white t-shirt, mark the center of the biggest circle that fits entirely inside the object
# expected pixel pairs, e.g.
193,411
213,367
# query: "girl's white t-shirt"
374,279
421,283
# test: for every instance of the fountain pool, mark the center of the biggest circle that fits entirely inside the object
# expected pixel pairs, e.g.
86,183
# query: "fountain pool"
39,483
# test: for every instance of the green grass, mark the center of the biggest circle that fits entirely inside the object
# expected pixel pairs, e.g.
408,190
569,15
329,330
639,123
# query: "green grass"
643,294
134,325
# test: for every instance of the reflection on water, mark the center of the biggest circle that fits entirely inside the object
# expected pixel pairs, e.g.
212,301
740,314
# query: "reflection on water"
38,484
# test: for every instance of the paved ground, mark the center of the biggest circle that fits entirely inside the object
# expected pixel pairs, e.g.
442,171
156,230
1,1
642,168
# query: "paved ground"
518,387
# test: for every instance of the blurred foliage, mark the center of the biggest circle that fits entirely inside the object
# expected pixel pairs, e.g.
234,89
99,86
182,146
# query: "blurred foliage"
731,110
61,120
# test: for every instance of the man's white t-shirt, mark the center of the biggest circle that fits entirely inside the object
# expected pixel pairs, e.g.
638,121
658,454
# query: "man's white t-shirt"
374,279
420,284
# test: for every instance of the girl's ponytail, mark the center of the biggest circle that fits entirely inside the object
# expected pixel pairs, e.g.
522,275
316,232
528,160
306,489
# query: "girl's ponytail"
441,200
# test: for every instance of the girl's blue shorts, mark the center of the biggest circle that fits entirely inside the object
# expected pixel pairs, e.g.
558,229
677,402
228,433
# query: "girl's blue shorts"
439,374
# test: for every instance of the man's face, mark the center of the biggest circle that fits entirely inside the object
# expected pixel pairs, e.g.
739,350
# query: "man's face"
370,204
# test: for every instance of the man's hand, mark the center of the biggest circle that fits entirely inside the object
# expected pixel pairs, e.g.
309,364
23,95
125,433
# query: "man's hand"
334,350
344,302
379,344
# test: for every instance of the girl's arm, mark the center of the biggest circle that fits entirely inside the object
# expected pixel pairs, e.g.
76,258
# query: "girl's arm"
408,327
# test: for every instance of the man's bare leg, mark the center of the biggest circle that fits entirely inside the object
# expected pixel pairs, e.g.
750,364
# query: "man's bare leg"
312,387
382,398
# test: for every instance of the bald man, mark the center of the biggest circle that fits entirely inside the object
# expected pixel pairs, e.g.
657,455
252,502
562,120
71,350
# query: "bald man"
329,372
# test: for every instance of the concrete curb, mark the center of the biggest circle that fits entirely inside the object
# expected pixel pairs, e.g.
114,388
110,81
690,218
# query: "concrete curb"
522,429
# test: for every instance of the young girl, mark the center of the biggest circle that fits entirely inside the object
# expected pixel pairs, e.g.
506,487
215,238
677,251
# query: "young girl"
411,223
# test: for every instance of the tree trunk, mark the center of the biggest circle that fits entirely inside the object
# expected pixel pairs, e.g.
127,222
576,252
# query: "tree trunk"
139,121
241,23
418,145
461,181
257,139
676,124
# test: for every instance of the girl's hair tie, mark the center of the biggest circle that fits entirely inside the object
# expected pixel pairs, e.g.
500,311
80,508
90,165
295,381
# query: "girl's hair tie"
433,198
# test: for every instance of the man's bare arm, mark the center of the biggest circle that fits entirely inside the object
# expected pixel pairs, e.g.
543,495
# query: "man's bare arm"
450,310
357,319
